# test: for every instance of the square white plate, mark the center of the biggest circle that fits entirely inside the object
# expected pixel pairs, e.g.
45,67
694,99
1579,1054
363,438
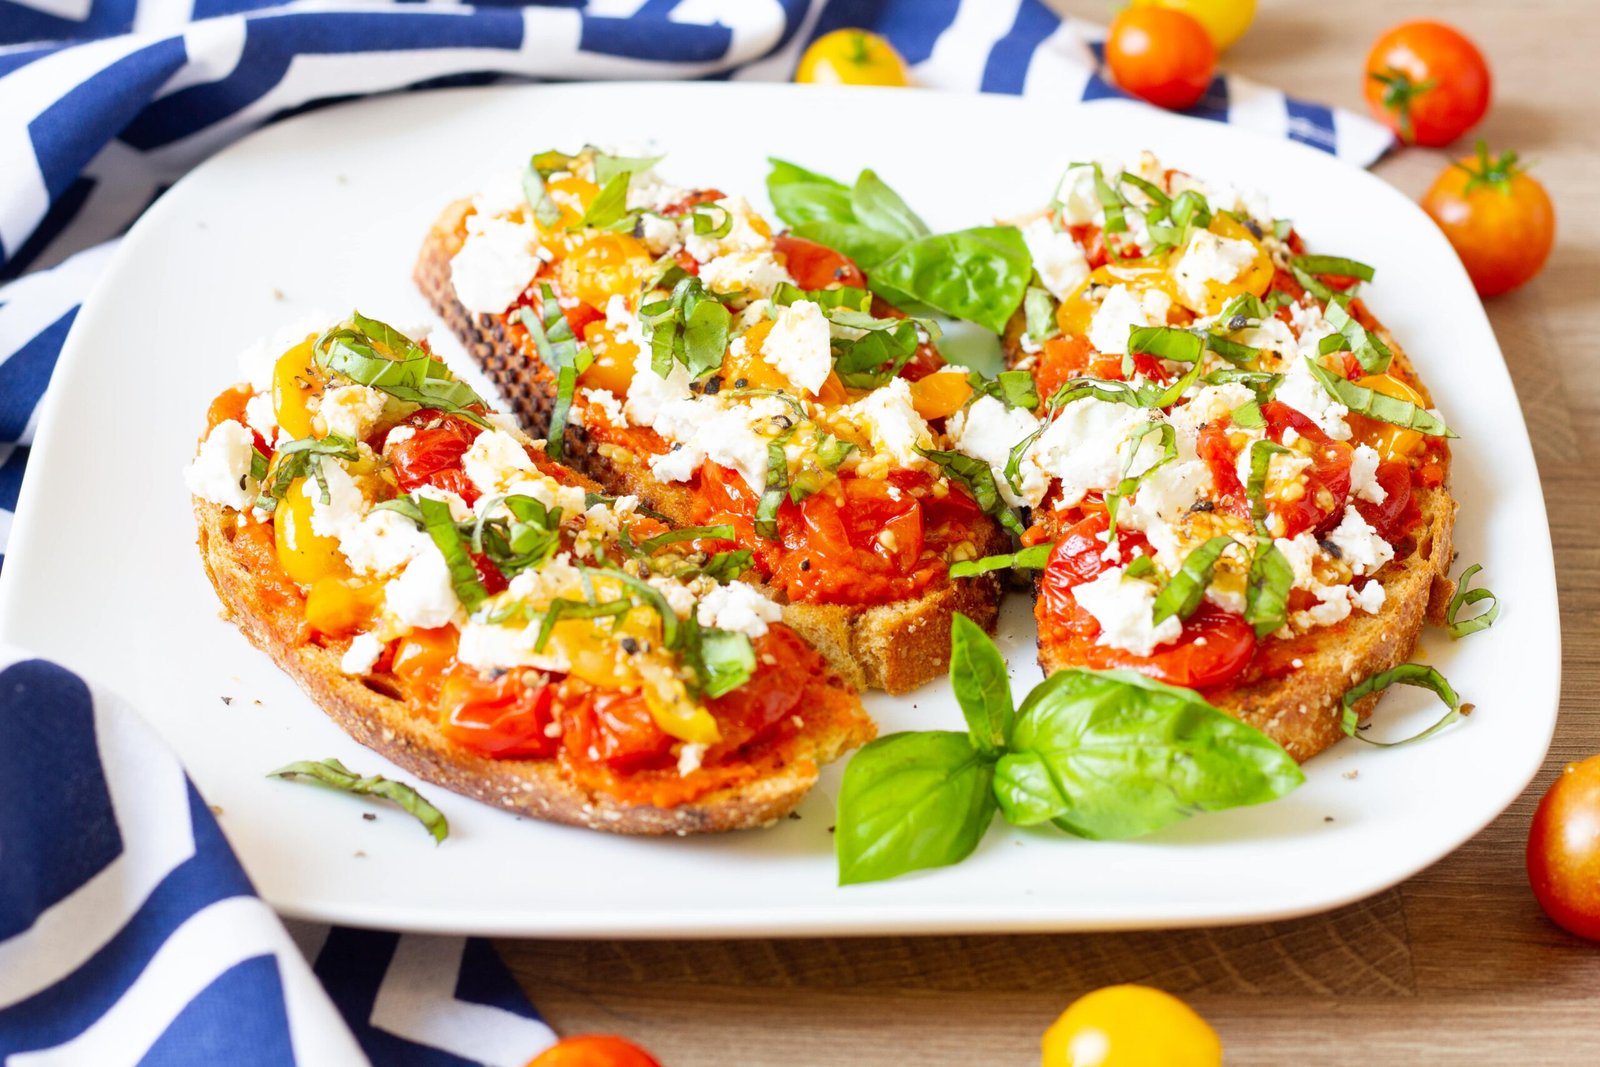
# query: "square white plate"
326,212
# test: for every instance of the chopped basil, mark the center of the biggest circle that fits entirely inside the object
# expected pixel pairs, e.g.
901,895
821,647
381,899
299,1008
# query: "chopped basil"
545,210
376,355
1110,202
1417,674
1013,388
704,219
299,459
876,357
1150,189
686,533
1031,558
777,486
1264,383
689,327
1335,266
1130,482
526,539
1271,577
258,463
1369,349
1380,406
333,773
1248,415
652,597
847,297
1140,567
564,608
722,660
978,477
607,166
1168,342
559,350
1466,597
1039,314
1182,593
610,205
724,567
446,536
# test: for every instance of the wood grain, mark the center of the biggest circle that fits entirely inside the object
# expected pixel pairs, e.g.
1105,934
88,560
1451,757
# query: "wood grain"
1457,965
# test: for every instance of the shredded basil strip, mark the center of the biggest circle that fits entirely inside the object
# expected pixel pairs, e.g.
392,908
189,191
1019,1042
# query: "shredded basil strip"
441,527
1380,406
847,297
258,463
610,205
564,608
1418,674
376,355
1130,483
1019,451
1337,266
724,567
1267,587
690,327
1139,567
777,486
722,660
1182,593
686,533
703,221
299,459
1248,415
1150,189
1466,597
545,210
1261,454
333,773
1168,342
652,597
1247,306
978,477
1110,202
1031,558
1311,285
1039,313
1368,347
1013,388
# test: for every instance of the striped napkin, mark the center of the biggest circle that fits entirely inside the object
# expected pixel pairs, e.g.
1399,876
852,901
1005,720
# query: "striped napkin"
128,932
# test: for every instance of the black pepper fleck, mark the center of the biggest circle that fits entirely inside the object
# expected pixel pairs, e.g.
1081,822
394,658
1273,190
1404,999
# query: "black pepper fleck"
1331,549
630,645
1238,322
805,564
227,700
714,385
1202,505
369,816
740,383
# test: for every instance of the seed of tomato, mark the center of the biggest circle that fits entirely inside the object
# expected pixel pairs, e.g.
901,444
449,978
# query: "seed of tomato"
1160,55
1564,849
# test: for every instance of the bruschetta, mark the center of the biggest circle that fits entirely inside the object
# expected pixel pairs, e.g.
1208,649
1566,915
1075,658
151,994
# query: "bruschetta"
490,620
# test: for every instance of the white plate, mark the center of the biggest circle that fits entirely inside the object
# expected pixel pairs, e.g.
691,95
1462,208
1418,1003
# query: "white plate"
327,211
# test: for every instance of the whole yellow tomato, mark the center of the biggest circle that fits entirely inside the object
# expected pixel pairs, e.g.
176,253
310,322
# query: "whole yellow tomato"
1224,20
851,57
1130,1026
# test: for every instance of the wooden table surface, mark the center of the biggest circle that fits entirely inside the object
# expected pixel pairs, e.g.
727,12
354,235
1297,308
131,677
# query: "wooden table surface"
1457,965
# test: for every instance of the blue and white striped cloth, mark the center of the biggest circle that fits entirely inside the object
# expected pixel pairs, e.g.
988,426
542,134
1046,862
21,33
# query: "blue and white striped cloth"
128,933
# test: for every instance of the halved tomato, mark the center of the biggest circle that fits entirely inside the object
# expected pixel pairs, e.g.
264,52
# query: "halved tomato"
505,717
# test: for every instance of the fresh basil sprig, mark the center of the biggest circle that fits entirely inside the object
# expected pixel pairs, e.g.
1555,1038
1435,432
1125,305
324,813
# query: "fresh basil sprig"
1101,754
333,773
1418,674
1380,406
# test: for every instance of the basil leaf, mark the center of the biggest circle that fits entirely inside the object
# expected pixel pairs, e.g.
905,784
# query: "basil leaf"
776,488
333,773
1248,415
1168,342
1157,195
873,359
978,677
1182,593
1039,315
978,477
847,297
1032,558
1417,674
1019,452
912,801
1267,586
690,327
564,608
722,660
866,246
1380,406
1114,755
607,166
545,210
1013,388
1368,348
724,567
704,220
610,205
258,463
801,196
441,528
1110,202
1466,597
1337,266
880,207
376,355
1261,453
978,274
686,533
298,459
1311,285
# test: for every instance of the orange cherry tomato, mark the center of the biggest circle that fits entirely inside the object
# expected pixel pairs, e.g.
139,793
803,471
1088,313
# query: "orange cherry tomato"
1564,849
594,1050
1427,82
1160,55
1499,220
1130,1026
506,717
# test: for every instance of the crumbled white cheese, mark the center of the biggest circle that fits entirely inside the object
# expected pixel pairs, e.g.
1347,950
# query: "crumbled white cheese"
1124,610
1081,446
1272,335
1119,312
1076,194
1283,468
495,461
737,607
648,393
494,265
647,191
220,472
733,434
607,402
1207,406
680,598
798,345
345,506
1168,492
1370,598
259,413
891,420
1209,263
460,510
1056,256
988,430
754,273
1364,475
363,652
746,231
660,235
423,596
1301,553
383,541
500,194
1359,544
490,647
1306,395
689,757
351,410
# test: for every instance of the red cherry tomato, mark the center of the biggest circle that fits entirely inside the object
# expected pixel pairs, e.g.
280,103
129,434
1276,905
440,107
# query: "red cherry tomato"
507,717
594,1050
1159,55
432,454
1398,514
1564,849
1327,479
1427,82
816,266
616,729
1499,220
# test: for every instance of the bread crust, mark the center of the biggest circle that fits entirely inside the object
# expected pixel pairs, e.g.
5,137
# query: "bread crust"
896,646
542,789
1302,711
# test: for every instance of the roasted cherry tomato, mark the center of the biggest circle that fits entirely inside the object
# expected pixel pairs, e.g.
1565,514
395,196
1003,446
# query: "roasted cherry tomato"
1397,515
594,1050
432,454
1499,220
616,728
1427,82
816,266
851,57
1130,1026
1327,485
1564,849
1224,20
1161,56
507,717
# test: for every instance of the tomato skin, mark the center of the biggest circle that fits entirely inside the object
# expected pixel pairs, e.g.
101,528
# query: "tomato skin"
1225,21
615,729
1564,850
816,266
1427,82
1130,1026
432,454
504,718
851,57
1327,479
1398,515
1161,55
1502,228
594,1050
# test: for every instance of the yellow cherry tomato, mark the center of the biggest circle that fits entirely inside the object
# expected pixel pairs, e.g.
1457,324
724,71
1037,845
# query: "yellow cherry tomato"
1223,20
338,606
851,57
612,368
940,394
746,364
295,380
572,196
305,554
1390,441
601,265
1130,1026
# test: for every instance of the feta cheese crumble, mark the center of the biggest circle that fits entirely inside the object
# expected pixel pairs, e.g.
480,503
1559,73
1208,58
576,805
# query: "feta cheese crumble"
220,472
798,345
739,608
1125,612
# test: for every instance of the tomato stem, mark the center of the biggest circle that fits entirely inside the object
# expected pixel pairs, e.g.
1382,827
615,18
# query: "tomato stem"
1494,172
1399,93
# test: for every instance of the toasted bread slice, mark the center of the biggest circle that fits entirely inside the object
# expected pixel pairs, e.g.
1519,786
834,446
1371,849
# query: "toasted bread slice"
1302,711
895,646
371,711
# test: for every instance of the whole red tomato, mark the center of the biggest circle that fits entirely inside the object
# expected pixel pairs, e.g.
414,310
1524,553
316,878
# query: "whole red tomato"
1499,220
1160,55
1564,849
594,1050
1427,82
